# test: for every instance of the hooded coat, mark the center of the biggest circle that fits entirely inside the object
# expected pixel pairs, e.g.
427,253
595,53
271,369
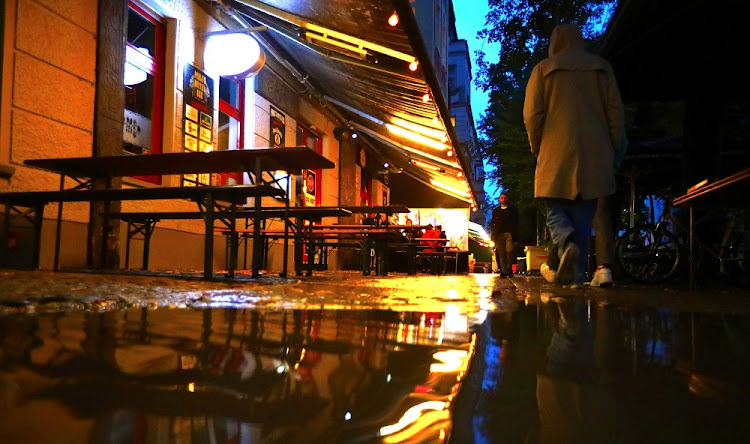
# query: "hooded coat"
574,118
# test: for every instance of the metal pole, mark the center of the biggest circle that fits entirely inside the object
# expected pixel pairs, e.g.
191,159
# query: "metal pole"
208,243
59,225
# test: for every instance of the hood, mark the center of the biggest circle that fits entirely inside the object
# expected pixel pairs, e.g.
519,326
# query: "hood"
565,37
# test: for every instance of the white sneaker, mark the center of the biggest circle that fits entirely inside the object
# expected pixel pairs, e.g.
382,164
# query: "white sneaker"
548,274
602,278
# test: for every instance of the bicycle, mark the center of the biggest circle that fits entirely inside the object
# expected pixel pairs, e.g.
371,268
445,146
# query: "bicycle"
653,253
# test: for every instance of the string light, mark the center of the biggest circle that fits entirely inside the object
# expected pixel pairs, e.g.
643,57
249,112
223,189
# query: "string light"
413,66
393,20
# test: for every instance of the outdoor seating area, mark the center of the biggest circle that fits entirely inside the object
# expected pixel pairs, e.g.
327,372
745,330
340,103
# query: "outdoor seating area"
215,203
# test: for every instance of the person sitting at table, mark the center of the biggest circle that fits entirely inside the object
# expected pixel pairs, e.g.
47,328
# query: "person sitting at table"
409,233
370,219
431,246
383,220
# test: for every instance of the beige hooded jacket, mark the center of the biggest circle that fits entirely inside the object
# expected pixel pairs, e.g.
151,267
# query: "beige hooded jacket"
574,118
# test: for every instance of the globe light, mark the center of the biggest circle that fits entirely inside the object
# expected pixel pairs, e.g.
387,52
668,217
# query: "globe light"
236,55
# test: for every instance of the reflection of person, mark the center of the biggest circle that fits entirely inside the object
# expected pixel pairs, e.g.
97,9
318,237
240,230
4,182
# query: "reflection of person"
575,403
504,231
574,119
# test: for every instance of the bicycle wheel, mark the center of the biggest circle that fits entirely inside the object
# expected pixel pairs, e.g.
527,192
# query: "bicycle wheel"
647,255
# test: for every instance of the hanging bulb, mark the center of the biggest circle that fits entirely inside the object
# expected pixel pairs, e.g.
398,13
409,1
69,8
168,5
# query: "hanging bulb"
393,19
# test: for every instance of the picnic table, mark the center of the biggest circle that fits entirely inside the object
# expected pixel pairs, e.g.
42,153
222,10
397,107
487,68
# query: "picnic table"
380,238
727,192
260,164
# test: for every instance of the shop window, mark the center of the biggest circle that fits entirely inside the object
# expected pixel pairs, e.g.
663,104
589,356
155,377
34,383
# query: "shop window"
144,83
231,133
308,185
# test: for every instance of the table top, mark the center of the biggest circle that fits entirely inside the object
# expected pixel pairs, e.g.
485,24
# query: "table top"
370,227
291,159
733,189
388,209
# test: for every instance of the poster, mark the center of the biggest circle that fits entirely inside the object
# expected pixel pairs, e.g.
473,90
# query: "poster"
309,188
278,127
198,102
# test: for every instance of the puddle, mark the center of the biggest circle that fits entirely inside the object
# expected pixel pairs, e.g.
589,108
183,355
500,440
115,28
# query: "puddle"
544,370
219,375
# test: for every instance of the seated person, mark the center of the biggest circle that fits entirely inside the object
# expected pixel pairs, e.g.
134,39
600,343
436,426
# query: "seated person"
370,219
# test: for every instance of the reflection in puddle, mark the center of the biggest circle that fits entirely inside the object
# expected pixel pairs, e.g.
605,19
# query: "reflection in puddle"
530,369
230,375
580,372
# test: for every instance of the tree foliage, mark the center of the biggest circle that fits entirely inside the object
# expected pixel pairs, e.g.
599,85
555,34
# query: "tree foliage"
522,28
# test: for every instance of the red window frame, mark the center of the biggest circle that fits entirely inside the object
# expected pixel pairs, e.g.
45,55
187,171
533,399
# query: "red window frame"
155,66
318,173
237,113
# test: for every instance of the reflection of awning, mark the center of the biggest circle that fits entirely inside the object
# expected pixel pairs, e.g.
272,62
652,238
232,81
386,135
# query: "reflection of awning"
360,65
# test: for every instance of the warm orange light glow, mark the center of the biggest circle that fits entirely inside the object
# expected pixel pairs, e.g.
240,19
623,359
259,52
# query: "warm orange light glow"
449,188
450,153
395,129
429,132
425,165
413,66
426,98
393,19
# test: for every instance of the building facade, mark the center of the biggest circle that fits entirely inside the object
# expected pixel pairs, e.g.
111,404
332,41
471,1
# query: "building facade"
108,77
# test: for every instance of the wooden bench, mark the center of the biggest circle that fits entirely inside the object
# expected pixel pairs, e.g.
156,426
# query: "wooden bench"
145,222
207,198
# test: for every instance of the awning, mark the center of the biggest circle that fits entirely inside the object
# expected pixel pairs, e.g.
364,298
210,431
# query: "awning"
378,77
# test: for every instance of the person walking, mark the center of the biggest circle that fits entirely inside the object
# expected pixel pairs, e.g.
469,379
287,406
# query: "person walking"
574,119
504,232
604,230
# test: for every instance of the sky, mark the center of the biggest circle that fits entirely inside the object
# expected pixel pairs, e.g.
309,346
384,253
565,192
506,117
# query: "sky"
469,21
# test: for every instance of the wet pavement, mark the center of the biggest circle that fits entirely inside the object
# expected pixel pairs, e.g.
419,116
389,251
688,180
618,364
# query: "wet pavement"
340,357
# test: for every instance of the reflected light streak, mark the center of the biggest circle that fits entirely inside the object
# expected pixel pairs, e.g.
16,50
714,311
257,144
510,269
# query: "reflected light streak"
410,416
450,361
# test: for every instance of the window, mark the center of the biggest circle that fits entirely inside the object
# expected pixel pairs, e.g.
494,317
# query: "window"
308,186
144,83
230,135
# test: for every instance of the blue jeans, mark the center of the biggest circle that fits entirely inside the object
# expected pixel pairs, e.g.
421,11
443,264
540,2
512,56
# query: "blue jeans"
571,219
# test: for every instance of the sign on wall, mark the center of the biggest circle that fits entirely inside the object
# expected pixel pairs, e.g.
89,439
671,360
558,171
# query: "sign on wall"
198,93
309,188
278,128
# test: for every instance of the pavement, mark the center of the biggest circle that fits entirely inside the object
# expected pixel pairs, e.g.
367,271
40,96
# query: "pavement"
23,290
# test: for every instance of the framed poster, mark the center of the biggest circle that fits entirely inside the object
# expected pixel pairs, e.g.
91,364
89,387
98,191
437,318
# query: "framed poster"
278,127
198,111
309,187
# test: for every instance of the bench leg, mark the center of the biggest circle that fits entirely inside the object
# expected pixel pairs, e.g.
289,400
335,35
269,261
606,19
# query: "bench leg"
38,218
208,243
257,244
285,271
147,232
233,242
127,247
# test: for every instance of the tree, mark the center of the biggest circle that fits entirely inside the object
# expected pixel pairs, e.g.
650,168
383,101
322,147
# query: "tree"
522,27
